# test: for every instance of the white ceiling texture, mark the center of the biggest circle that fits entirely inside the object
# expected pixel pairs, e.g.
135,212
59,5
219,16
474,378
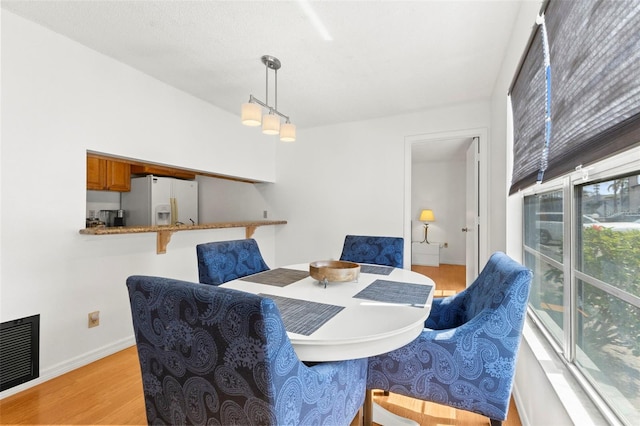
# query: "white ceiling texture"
342,61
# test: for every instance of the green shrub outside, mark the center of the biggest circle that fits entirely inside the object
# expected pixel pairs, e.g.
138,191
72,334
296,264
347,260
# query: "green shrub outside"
613,257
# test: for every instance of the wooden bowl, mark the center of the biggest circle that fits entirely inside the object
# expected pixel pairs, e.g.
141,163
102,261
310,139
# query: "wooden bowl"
334,271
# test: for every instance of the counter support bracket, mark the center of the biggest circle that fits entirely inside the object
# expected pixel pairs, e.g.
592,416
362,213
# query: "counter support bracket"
163,239
249,230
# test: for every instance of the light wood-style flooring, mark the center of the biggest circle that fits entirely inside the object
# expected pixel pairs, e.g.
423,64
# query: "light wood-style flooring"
109,391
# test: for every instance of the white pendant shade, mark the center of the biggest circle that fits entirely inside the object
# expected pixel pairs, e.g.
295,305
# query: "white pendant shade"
270,124
288,132
251,114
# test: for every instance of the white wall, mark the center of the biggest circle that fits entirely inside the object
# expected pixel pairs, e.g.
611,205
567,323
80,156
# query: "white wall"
227,201
350,178
60,99
441,187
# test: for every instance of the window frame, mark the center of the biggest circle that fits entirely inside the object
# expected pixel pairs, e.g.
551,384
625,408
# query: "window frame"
627,162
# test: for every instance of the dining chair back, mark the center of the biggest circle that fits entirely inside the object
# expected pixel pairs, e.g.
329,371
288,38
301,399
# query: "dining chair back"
222,261
213,355
466,356
387,251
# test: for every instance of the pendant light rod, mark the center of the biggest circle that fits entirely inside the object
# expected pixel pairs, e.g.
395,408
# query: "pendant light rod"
271,62
266,84
253,99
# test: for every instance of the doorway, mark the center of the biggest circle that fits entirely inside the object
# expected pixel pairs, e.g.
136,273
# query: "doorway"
442,159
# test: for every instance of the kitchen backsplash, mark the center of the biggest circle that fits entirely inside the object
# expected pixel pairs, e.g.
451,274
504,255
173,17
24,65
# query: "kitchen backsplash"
102,200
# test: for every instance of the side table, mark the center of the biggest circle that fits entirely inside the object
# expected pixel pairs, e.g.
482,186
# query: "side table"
425,254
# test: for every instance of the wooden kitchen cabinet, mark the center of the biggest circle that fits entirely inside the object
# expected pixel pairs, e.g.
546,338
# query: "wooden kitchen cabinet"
108,175
96,173
118,176
162,171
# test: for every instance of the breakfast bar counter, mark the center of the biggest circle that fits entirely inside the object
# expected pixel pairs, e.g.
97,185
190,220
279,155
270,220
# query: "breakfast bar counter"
165,231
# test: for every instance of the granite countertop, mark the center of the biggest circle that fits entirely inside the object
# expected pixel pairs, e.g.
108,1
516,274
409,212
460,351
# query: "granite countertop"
164,232
173,228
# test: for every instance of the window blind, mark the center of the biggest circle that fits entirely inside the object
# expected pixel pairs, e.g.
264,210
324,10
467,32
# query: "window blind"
595,88
528,106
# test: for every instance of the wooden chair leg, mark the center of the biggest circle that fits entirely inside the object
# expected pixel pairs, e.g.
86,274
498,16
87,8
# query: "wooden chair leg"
357,419
367,410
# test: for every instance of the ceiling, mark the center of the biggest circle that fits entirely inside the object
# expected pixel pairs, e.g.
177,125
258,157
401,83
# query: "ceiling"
385,57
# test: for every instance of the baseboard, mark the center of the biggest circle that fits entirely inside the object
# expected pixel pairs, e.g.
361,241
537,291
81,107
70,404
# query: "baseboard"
72,364
524,419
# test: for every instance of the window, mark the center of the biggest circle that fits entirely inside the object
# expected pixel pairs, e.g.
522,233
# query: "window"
582,240
544,237
576,106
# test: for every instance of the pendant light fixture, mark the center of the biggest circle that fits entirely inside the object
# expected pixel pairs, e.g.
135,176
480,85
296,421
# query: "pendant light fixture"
252,111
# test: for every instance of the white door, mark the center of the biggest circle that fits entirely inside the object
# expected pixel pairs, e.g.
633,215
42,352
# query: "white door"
471,228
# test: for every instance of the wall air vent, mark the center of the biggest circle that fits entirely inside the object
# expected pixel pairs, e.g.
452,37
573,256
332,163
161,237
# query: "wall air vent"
19,351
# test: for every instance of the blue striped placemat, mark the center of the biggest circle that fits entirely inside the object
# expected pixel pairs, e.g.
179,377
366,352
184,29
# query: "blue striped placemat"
376,269
396,292
279,277
302,316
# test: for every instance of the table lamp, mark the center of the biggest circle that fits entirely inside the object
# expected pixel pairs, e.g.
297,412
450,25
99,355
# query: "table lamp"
426,216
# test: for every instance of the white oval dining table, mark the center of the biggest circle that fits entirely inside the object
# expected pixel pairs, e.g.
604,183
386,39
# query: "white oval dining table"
362,326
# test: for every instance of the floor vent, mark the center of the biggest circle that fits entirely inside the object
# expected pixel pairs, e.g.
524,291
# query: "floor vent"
19,351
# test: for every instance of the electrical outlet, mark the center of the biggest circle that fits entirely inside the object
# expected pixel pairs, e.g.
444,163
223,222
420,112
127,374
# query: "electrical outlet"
264,214
94,319
446,245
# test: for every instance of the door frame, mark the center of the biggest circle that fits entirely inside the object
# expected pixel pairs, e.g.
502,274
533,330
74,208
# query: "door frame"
483,199
472,239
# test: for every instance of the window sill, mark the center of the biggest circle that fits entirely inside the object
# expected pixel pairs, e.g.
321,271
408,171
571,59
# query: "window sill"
579,407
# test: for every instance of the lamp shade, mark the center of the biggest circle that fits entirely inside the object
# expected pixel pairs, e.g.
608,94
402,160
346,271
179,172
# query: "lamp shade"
288,132
251,114
270,124
427,216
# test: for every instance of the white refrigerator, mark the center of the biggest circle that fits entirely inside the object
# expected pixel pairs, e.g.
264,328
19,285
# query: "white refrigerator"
155,200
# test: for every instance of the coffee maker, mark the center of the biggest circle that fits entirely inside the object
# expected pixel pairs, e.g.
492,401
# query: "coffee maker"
112,217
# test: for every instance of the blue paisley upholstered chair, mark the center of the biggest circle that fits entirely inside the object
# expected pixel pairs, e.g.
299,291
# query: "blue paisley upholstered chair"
217,356
224,261
466,356
387,251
